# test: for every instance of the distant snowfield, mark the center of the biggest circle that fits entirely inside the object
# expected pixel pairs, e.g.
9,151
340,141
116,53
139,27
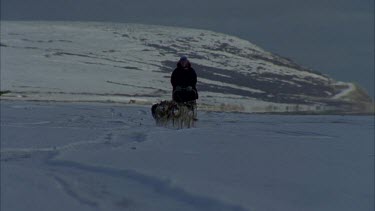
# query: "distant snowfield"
132,63
64,156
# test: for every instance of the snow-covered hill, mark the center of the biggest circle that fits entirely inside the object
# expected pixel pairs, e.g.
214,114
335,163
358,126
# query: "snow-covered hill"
132,63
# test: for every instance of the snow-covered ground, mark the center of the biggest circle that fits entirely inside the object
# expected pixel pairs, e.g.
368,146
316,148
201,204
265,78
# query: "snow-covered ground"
350,88
64,156
111,156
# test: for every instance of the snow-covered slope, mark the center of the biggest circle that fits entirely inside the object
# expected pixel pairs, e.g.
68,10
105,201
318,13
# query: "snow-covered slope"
132,63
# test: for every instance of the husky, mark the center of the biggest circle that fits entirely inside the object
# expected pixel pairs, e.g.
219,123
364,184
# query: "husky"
179,115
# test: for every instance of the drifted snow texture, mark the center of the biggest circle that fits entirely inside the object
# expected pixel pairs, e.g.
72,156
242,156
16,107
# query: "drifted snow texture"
107,157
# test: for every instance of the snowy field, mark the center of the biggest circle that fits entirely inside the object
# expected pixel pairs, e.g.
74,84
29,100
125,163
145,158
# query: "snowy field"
65,156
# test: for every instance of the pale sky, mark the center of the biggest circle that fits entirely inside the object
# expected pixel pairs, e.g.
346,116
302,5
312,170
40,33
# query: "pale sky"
335,37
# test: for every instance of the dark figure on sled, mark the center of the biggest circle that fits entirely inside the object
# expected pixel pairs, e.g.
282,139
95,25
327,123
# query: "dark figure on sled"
182,110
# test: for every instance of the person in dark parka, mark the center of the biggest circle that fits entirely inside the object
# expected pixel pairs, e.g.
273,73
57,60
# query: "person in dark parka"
184,81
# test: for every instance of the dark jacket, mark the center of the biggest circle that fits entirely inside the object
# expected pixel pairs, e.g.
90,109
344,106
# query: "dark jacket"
184,77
